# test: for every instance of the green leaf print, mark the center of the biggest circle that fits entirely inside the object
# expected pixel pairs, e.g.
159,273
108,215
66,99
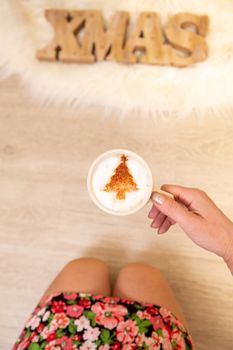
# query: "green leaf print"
43,345
159,332
142,330
145,323
98,343
173,344
139,307
89,315
72,328
74,342
40,338
71,321
60,333
34,346
93,323
71,302
105,336
28,333
134,317
143,326
50,318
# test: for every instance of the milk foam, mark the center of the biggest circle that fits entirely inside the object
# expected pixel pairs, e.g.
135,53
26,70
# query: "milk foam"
102,175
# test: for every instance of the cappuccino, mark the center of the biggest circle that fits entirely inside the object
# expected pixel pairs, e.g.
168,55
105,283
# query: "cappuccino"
120,182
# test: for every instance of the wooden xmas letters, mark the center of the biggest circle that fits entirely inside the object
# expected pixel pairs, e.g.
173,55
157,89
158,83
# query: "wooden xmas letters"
82,37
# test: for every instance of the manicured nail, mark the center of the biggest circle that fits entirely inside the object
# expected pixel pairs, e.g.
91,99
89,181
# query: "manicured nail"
157,198
153,224
150,216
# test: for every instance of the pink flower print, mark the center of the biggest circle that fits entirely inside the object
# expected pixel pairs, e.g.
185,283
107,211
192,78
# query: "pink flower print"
88,345
23,344
153,343
40,327
41,311
157,322
166,333
167,344
70,295
111,300
156,338
143,315
91,334
46,316
84,295
178,340
127,301
33,322
51,337
77,337
48,330
152,310
65,343
165,312
85,303
104,347
108,315
178,324
141,339
126,331
37,309
130,346
60,321
35,338
82,323
45,333
51,346
58,307
74,310
116,346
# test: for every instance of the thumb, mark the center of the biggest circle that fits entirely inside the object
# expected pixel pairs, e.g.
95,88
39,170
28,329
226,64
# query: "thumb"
173,209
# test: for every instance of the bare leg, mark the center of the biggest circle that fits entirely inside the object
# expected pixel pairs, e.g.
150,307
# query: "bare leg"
145,283
82,275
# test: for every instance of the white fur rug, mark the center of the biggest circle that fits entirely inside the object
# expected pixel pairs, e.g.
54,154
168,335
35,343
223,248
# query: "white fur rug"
141,88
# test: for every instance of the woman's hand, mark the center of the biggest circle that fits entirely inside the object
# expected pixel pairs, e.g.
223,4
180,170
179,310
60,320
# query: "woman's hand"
197,215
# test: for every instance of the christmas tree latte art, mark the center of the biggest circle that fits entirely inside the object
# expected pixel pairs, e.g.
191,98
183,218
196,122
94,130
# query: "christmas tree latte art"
120,182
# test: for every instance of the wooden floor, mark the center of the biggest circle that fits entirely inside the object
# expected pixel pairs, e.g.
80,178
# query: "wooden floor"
47,218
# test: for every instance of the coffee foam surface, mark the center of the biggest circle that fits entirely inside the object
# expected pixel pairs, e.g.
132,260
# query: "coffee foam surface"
102,176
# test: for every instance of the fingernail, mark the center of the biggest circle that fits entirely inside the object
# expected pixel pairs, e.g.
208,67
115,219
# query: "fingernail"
150,216
158,198
154,225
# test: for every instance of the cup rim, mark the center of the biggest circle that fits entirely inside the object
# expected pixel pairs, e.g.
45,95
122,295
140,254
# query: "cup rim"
113,152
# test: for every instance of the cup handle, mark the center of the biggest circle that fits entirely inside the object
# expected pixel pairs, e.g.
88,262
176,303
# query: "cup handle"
168,194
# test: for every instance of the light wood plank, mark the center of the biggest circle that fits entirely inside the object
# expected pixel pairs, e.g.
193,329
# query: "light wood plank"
47,218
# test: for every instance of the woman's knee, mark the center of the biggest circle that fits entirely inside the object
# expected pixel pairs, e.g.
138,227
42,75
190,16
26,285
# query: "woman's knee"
137,270
86,264
84,275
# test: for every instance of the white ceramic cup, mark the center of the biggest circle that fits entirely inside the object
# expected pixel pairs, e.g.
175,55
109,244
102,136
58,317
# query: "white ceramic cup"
119,153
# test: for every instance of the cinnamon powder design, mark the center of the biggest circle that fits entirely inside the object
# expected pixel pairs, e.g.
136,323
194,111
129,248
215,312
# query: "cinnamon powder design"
121,181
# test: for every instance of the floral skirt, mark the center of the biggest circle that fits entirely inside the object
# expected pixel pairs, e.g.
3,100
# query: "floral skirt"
73,321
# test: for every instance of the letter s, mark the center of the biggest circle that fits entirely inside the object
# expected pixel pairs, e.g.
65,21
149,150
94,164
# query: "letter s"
192,44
